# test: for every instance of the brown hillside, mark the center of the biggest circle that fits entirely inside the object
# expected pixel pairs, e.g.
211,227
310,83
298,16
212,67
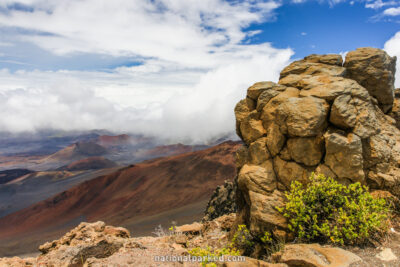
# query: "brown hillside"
141,190
92,163
77,151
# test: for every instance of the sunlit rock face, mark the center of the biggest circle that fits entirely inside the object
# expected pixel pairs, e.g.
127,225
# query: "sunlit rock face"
325,116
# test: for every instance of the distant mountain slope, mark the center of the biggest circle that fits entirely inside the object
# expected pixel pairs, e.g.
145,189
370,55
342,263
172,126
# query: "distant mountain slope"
9,175
114,140
167,150
34,187
44,142
92,163
135,192
78,150
122,149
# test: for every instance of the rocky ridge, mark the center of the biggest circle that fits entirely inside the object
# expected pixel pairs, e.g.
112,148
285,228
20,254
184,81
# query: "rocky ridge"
97,244
325,116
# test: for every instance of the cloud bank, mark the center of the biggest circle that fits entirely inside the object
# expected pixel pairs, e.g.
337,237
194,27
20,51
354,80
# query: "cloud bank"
191,65
392,47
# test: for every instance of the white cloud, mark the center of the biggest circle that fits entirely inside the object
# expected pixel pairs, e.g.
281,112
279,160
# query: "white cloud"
194,68
393,48
393,11
5,44
377,4
330,2
183,31
373,4
177,105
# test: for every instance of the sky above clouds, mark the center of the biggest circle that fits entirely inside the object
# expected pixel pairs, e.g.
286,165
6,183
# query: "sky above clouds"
169,68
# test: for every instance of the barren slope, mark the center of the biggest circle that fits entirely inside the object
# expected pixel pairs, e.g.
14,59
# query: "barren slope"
174,185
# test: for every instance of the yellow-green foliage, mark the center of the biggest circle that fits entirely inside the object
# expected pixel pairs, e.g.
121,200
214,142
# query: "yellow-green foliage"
242,238
326,210
211,253
266,238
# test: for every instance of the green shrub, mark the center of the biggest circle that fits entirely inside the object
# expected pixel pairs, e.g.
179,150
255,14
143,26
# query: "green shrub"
328,211
266,238
208,254
242,239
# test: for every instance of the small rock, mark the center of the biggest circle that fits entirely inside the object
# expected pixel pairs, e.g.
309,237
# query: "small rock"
181,239
386,255
190,228
250,262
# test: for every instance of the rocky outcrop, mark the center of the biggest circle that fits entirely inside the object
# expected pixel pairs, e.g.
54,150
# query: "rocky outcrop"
223,201
322,116
83,244
86,241
97,244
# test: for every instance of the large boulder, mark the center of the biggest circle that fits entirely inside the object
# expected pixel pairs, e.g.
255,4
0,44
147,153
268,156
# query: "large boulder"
374,69
344,155
257,178
322,116
306,150
303,117
313,255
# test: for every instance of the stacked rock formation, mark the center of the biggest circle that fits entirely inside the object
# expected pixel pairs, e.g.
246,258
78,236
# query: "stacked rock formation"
324,116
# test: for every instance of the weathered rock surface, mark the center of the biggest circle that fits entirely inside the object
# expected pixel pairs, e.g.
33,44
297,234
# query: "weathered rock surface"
322,116
88,242
307,151
94,240
395,112
99,245
250,262
256,178
263,213
374,70
313,255
344,155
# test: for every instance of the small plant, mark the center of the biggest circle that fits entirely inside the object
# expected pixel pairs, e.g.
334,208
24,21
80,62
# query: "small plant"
242,238
172,230
266,238
328,211
159,231
272,244
209,255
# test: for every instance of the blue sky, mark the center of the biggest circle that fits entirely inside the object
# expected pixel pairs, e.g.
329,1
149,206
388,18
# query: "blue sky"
173,68
314,27
306,27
